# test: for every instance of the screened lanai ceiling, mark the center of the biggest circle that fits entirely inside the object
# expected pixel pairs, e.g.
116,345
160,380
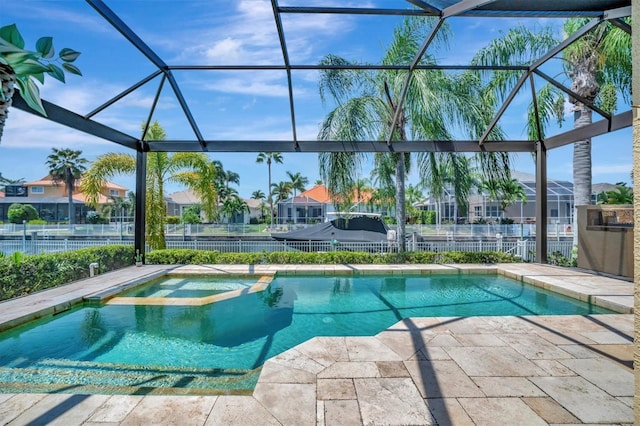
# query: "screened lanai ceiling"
244,77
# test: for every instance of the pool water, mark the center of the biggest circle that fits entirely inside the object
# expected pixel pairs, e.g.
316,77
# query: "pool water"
184,287
218,347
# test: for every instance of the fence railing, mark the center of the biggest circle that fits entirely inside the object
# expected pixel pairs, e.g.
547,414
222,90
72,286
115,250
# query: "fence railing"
524,249
186,231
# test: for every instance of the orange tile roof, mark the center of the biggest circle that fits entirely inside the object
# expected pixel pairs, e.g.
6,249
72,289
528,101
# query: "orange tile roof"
102,199
48,181
320,193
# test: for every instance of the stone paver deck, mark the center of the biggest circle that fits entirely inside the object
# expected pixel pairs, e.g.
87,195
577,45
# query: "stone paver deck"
532,370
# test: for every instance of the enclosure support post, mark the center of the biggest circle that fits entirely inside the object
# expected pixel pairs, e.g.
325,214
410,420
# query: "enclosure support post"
541,203
141,190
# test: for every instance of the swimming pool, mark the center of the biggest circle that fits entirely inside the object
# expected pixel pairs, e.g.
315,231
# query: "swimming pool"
219,347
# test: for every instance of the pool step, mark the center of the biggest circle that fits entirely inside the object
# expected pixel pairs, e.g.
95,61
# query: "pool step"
94,377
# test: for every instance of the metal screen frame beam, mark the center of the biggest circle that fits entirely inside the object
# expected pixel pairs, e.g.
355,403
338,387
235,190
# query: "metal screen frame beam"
112,18
463,7
617,122
140,210
341,146
75,121
541,203
287,64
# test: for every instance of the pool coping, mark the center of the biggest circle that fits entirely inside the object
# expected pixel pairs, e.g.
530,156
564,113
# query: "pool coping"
604,291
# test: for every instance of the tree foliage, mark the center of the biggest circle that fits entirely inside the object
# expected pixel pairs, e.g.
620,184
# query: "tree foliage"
20,212
66,165
161,168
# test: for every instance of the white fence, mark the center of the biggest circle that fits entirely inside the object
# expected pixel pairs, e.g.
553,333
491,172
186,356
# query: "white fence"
524,249
125,230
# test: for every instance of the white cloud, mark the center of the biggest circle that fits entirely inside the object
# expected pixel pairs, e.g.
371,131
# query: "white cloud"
25,130
251,87
58,16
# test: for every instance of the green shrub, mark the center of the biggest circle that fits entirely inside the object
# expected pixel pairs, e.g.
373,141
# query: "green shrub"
37,222
559,259
24,274
173,220
19,212
190,256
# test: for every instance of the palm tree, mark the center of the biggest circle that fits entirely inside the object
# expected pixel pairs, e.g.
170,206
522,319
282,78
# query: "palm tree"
297,182
413,195
281,190
161,168
231,177
66,165
232,205
621,194
117,206
361,186
366,103
270,157
202,180
511,192
6,181
599,67
259,195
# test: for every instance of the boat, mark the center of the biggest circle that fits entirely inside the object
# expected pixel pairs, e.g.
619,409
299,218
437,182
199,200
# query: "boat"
346,228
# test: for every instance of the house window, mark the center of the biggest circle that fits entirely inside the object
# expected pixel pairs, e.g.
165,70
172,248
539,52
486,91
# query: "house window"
477,211
553,213
493,211
37,189
114,192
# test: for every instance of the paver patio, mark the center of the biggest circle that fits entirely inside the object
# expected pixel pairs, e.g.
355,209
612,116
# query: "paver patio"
478,370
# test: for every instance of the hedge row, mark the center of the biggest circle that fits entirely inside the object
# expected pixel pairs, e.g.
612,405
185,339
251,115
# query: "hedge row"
190,256
24,274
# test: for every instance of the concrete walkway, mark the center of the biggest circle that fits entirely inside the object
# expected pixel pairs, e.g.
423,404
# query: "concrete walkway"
479,370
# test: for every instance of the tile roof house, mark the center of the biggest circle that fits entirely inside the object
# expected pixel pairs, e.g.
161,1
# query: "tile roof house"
313,205
50,199
178,201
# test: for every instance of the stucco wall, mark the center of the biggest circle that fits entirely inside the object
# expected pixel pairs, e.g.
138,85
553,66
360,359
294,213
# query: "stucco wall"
605,245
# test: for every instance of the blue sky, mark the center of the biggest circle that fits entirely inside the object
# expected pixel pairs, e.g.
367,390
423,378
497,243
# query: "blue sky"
234,105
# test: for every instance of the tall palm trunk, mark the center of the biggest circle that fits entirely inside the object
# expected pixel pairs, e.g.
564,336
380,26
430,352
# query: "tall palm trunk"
585,84
8,80
401,211
581,167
